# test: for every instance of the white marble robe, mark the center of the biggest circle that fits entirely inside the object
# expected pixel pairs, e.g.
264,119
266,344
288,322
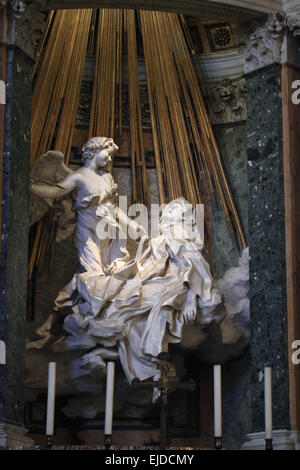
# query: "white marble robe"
137,311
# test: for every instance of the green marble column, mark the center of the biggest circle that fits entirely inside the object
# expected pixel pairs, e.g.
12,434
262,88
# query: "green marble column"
266,235
14,240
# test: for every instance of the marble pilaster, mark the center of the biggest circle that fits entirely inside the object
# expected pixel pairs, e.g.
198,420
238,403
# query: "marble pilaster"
269,345
14,237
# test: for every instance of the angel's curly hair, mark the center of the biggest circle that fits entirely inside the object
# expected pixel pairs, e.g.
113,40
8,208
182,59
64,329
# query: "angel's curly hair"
92,144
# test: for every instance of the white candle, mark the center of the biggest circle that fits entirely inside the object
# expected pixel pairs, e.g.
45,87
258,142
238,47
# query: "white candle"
268,402
110,379
51,398
217,401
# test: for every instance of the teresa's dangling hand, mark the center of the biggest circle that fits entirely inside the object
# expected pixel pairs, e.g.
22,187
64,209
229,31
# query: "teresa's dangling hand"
189,311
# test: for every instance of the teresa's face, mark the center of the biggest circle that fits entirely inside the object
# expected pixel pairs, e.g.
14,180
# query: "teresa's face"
103,155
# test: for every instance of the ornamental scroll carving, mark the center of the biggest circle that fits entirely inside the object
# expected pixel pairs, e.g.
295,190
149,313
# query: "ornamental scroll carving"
261,42
226,102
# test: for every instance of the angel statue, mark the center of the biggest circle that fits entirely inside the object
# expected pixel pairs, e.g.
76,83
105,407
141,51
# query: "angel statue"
95,200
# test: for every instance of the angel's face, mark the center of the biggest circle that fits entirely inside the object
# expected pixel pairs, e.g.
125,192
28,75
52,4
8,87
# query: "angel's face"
104,154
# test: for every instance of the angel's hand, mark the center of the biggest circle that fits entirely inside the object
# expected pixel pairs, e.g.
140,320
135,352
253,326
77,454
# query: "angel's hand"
114,266
189,310
109,269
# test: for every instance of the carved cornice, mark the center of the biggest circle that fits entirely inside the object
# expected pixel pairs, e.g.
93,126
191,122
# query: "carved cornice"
226,103
261,41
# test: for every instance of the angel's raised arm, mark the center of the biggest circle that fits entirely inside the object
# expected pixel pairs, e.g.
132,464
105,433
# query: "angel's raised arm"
54,190
50,177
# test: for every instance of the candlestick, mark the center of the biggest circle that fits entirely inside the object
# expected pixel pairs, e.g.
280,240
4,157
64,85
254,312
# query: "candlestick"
110,379
268,407
51,400
218,406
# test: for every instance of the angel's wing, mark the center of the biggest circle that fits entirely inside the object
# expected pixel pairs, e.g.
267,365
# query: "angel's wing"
48,169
